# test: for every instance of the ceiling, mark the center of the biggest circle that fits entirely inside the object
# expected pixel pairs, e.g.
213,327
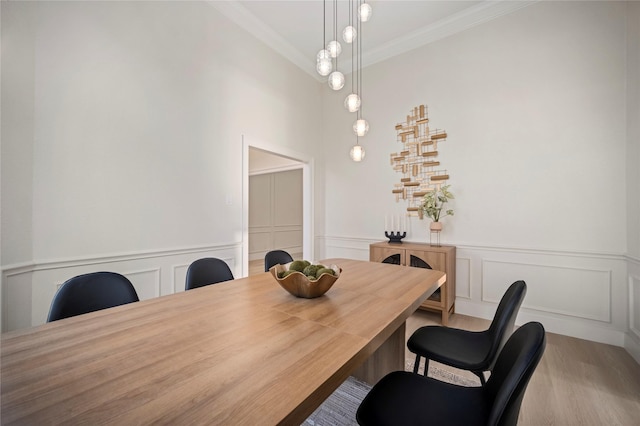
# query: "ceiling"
295,27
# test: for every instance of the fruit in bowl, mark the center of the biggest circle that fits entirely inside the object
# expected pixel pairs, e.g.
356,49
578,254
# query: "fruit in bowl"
305,279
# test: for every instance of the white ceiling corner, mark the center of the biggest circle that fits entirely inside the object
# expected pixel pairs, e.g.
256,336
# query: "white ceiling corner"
460,21
238,14
263,19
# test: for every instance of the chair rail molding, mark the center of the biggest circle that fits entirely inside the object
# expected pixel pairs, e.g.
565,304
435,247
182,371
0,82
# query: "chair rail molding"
28,288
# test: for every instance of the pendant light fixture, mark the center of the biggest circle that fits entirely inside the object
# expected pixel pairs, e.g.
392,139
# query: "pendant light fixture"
364,12
327,64
336,78
361,126
323,60
352,101
357,152
349,33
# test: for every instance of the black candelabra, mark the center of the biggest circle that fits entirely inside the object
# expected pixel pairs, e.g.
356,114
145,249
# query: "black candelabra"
395,237
395,231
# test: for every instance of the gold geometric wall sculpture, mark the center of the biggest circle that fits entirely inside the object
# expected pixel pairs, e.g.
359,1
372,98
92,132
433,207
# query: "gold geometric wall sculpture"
417,160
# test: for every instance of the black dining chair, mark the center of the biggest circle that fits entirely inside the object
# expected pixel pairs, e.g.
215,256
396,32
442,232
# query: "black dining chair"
474,351
91,292
275,257
206,271
404,398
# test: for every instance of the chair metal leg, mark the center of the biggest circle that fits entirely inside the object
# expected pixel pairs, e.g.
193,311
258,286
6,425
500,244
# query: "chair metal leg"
416,365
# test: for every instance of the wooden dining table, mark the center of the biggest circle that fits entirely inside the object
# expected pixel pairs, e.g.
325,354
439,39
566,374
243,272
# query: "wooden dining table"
234,353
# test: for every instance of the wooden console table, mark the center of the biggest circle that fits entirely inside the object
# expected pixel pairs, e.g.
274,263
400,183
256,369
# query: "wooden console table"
440,258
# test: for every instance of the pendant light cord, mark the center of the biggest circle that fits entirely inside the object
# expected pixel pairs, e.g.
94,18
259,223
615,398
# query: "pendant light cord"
324,24
352,43
335,29
360,64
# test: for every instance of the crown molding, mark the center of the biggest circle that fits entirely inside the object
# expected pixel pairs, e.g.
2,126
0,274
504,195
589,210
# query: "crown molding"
458,22
239,15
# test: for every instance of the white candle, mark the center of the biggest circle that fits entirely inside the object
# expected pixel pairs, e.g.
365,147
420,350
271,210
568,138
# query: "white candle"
386,223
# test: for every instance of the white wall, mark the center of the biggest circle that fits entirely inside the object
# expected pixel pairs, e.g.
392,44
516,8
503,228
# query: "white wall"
122,141
632,342
534,104
17,98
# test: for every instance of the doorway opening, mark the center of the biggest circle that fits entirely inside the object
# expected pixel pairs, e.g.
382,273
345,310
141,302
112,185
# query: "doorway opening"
268,165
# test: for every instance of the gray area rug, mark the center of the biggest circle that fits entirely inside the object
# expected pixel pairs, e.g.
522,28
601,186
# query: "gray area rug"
341,406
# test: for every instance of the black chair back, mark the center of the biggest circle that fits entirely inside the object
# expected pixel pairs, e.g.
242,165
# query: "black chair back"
91,292
276,257
205,271
512,372
505,318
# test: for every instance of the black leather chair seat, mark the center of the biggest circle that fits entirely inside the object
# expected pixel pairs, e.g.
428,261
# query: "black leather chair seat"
469,350
458,348
403,398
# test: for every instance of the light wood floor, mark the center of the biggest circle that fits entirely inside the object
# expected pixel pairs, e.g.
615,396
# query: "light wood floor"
577,382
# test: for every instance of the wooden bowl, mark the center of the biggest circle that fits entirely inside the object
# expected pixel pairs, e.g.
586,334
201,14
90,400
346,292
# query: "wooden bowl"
299,284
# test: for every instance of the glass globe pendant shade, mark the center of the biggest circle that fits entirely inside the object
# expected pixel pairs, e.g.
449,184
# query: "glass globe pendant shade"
323,54
336,80
352,102
361,127
364,12
334,48
349,34
356,153
324,66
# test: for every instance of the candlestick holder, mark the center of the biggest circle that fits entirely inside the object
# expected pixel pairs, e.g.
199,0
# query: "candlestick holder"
395,237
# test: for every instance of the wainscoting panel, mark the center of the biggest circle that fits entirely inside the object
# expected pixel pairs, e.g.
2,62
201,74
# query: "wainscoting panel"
463,278
28,290
632,338
288,238
634,305
179,277
260,240
584,295
17,287
347,248
146,282
552,288
275,213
